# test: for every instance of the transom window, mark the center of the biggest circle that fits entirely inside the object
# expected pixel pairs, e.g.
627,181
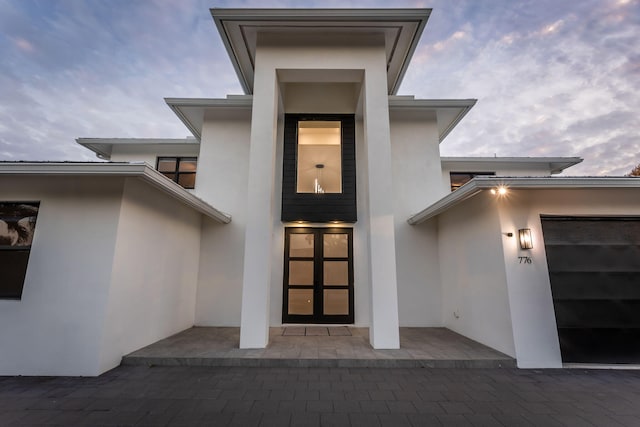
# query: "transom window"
179,169
458,179
319,168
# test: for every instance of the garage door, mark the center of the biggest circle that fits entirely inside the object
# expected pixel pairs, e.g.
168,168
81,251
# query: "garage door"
594,269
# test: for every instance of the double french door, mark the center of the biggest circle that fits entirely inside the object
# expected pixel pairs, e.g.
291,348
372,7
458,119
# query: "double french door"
318,275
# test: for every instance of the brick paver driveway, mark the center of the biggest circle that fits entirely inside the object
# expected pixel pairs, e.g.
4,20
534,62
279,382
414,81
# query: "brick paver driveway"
191,396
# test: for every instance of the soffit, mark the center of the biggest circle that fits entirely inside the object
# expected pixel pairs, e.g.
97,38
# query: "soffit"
448,112
193,111
103,147
401,29
552,164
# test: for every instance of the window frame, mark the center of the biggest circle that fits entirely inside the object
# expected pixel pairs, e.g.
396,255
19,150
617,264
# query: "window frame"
176,172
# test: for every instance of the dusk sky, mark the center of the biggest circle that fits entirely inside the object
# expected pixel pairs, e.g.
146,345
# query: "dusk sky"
552,78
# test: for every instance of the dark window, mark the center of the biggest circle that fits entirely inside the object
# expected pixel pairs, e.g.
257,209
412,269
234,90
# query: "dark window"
179,169
17,227
458,179
319,168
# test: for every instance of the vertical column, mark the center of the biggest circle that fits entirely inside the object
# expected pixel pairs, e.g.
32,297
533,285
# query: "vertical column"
254,321
383,332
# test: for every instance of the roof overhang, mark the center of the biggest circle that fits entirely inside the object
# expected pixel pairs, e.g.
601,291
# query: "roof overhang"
475,164
401,29
103,147
129,170
482,183
192,111
448,112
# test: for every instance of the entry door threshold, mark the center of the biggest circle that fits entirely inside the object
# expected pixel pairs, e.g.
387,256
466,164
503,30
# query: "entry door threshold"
316,331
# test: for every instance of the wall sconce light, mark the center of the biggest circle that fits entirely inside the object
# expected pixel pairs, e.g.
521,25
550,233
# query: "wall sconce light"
525,238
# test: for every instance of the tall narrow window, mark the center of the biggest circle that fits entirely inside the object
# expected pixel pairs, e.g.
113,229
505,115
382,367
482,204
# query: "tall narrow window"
179,169
319,166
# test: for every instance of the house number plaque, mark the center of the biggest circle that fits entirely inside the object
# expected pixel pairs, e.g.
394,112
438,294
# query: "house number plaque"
524,260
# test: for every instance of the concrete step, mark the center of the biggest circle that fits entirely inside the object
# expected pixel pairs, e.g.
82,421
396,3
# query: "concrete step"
326,347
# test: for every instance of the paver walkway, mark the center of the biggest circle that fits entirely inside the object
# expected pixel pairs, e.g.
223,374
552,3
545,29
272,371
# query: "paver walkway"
212,396
319,347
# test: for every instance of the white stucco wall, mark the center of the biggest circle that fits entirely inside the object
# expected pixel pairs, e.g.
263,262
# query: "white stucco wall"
113,267
223,168
155,271
56,328
416,183
361,261
474,282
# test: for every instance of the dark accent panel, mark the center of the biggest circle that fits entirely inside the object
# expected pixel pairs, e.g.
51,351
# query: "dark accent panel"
13,268
600,345
594,270
319,207
595,285
593,257
606,313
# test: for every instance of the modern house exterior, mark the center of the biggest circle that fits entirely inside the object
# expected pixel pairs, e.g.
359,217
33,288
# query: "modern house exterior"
317,197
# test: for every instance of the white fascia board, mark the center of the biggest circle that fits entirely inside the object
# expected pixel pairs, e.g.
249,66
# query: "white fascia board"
482,183
556,164
129,170
103,147
230,23
449,112
191,111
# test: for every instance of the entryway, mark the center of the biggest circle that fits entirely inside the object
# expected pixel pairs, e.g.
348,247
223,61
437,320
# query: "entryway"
318,275
421,347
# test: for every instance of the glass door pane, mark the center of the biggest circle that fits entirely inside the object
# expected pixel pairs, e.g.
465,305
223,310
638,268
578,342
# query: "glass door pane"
336,302
301,245
336,273
301,301
335,245
301,273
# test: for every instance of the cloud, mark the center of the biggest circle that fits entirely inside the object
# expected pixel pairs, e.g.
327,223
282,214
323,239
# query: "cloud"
552,78
561,83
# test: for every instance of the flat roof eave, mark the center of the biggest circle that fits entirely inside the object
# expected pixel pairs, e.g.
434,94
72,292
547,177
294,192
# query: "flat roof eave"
111,169
556,164
191,111
238,29
449,112
482,183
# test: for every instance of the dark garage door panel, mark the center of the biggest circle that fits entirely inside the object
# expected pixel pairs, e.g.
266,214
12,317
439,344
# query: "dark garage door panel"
594,269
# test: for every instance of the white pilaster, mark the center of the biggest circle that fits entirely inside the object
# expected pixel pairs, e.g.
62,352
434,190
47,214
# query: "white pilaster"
383,332
254,321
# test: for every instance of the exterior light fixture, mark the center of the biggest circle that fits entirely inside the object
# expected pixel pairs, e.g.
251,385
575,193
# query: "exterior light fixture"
525,238
499,191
